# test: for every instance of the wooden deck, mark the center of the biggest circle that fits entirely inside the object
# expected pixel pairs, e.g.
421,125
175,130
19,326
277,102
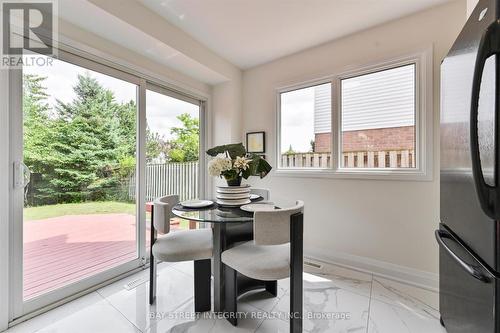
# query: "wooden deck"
61,250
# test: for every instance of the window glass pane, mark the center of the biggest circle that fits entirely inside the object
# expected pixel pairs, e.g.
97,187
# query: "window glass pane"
378,119
306,127
172,151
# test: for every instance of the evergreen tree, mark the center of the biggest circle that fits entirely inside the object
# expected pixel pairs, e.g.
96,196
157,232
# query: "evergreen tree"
37,128
85,148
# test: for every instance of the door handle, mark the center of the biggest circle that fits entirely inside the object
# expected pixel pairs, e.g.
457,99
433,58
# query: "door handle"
487,194
22,175
472,270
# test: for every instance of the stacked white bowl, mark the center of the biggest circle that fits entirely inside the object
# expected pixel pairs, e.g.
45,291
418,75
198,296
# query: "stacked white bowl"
233,195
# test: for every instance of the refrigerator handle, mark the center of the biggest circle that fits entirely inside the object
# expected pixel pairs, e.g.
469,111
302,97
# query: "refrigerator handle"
488,196
472,270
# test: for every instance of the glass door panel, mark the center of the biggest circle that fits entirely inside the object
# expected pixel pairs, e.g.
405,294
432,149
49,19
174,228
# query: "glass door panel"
172,149
80,145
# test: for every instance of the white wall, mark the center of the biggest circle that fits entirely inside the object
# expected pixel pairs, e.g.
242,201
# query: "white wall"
387,221
227,102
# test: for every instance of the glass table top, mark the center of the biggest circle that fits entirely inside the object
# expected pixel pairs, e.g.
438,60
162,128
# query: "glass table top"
213,214
224,214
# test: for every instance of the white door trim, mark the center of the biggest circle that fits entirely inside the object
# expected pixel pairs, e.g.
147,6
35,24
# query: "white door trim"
16,194
4,199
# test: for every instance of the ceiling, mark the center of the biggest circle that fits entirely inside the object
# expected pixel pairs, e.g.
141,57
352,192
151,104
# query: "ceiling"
253,32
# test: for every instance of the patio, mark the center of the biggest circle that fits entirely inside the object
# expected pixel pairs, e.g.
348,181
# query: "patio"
61,250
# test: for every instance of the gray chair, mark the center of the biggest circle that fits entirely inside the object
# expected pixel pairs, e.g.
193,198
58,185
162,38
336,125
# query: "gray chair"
264,193
275,253
180,246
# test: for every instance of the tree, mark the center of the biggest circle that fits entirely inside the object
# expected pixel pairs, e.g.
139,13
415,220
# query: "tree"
186,143
37,132
88,142
85,148
290,151
313,145
36,120
155,146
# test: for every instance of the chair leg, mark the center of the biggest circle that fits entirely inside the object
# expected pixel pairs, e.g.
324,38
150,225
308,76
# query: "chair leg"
296,271
202,288
295,305
272,287
152,280
231,295
152,262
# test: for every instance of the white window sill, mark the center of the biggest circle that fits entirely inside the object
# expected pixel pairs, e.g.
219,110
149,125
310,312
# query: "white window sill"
364,174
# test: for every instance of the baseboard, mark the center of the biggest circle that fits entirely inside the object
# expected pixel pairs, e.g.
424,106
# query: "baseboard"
421,279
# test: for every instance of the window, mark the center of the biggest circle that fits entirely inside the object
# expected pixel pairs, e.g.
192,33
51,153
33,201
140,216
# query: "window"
368,123
306,127
378,119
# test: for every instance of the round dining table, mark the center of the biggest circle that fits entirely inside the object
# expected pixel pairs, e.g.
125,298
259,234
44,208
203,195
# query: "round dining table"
230,225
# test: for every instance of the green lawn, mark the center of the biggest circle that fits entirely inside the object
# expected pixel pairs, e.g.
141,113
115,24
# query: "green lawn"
104,207
98,207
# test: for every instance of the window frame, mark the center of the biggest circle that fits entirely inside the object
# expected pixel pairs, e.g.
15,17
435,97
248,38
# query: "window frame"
423,170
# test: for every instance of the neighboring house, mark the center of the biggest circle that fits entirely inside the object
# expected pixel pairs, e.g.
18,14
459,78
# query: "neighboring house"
368,126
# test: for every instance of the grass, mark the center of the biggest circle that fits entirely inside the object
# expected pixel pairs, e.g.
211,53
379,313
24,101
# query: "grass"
86,208
98,207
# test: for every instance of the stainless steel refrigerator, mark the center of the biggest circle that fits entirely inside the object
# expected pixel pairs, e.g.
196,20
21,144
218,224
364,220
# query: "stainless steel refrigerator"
469,232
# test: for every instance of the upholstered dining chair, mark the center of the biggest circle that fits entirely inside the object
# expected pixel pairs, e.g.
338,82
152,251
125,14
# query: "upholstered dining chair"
263,192
180,246
275,253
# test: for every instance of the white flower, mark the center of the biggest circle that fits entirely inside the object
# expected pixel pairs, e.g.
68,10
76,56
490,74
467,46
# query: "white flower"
241,163
219,164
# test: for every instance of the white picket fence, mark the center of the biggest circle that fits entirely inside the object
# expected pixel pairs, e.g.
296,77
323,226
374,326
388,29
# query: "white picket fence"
169,178
357,159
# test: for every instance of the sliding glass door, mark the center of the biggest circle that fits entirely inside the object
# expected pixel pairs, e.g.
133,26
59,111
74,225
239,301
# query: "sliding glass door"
92,147
76,153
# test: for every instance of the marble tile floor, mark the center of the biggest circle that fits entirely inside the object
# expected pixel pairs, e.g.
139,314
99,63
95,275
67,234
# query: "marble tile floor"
336,299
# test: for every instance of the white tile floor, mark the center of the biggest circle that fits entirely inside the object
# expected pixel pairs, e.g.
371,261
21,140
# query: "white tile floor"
352,301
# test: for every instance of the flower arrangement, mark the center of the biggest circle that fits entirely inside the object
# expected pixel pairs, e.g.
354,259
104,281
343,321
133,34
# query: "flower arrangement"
233,163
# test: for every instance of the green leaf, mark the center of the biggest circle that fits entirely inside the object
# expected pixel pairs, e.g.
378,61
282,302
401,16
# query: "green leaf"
258,167
234,150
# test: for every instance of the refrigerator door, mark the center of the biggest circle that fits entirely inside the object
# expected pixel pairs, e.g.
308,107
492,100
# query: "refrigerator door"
464,179
466,288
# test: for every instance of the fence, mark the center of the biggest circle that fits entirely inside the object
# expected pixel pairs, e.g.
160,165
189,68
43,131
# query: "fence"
359,159
169,178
